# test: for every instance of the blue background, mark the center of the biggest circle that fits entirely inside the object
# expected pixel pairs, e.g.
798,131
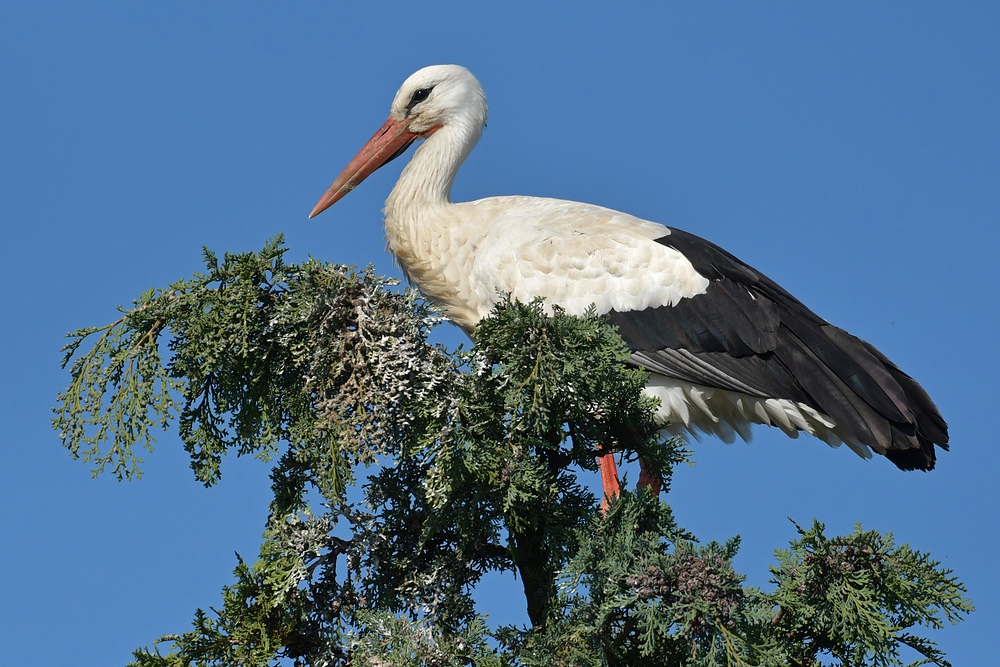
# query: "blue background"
849,151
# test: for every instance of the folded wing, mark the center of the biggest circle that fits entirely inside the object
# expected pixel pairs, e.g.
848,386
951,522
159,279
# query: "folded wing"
746,334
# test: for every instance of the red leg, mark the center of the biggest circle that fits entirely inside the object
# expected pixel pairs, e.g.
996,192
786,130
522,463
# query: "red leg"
609,480
647,479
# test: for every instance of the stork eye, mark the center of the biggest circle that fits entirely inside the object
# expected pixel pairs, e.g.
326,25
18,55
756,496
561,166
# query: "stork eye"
418,97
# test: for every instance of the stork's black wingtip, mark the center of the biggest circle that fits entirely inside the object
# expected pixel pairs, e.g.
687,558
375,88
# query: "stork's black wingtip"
923,458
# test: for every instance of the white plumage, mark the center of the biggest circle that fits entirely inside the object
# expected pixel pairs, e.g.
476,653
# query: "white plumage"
726,346
573,254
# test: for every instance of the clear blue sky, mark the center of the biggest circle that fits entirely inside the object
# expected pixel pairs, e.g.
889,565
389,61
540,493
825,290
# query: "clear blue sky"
849,151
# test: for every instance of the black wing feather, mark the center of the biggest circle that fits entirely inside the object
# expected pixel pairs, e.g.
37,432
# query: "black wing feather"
747,334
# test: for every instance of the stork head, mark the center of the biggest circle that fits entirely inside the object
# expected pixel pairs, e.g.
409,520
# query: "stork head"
430,99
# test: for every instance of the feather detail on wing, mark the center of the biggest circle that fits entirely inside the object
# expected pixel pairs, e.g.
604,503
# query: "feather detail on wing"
748,337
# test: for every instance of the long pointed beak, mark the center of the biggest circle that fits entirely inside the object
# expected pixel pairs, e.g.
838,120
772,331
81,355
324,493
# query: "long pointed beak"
389,142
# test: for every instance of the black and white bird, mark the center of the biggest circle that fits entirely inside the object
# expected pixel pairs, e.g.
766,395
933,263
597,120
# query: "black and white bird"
726,346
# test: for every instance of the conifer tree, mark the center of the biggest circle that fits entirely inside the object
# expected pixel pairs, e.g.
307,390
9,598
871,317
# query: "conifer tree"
467,462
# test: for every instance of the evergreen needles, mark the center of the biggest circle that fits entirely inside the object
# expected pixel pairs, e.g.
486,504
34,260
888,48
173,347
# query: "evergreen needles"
468,463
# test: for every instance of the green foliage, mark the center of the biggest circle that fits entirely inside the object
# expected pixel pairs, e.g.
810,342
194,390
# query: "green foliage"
469,464
639,591
854,597
651,596
261,353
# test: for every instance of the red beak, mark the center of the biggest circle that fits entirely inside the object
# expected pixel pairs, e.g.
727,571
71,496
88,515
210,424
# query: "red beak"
389,142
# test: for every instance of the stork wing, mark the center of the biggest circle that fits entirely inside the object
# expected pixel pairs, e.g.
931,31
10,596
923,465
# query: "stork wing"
692,312
745,333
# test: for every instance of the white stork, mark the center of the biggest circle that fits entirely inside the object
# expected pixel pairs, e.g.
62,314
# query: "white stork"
726,346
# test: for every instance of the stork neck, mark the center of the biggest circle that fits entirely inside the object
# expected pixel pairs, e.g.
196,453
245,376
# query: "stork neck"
428,177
